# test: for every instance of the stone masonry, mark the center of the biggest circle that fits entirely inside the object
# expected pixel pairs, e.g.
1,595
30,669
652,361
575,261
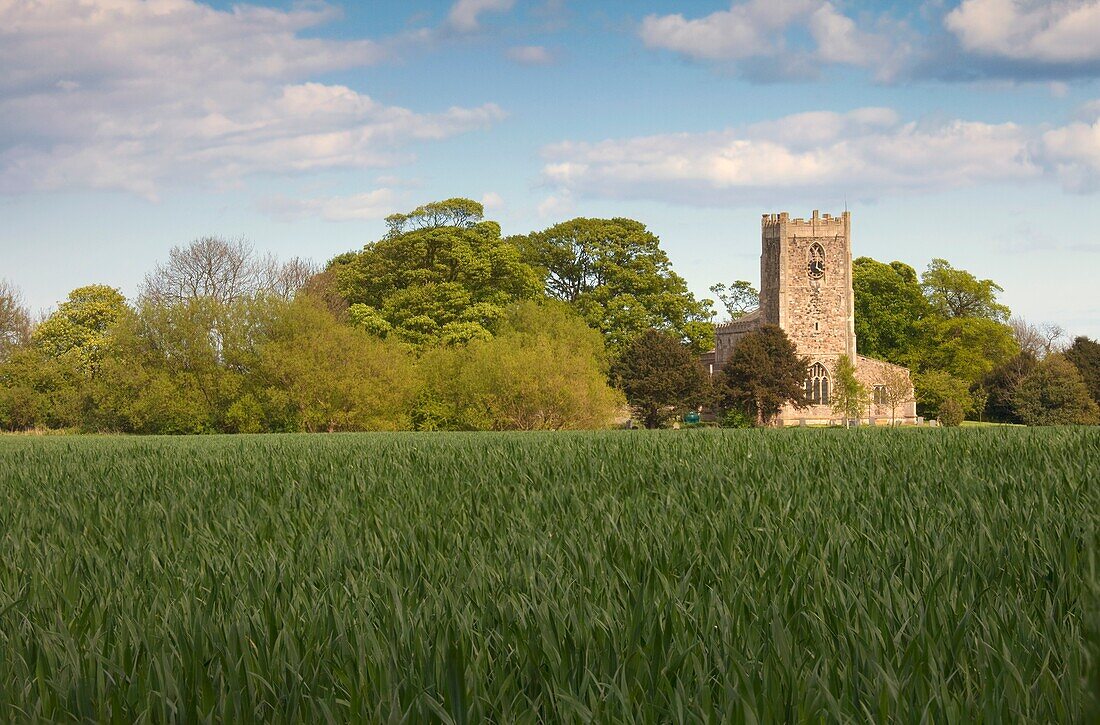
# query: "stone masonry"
806,289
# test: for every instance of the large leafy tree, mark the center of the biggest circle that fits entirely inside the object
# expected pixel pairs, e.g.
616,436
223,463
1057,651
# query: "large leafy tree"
1001,384
1054,393
739,298
889,304
764,373
615,274
441,275
958,293
545,369
315,374
80,328
1084,353
660,375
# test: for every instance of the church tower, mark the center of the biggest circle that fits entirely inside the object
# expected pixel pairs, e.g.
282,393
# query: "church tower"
806,283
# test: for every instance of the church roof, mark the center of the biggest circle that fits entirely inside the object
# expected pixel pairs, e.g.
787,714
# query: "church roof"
750,317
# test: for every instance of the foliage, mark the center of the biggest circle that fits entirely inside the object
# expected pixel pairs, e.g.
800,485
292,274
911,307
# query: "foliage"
1054,393
544,370
1001,385
764,373
437,278
957,293
936,388
1085,356
39,391
315,374
848,396
889,304
460,213
615,274
967,348
739,298
710,576
660,376
79,329
951,413
1039,340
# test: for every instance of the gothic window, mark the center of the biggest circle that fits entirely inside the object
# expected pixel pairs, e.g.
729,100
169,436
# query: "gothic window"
817,385
880,395
816,261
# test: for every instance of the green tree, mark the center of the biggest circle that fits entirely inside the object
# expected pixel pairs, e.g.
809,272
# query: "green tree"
968,348
315,374
1001,385
1054,393
848,396
889,304
39,391
936,389
1085,356
660,376
764,373
739,298
615,274
544,370
438,277
958,293
80,328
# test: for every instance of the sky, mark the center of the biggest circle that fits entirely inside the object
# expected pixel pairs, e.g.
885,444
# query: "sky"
961,129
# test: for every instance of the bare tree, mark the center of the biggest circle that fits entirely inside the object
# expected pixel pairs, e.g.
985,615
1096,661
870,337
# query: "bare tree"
899,390
1040,340
15,321
223,271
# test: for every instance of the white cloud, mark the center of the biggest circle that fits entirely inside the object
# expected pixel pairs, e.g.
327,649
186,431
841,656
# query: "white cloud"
557,206
867,152
121,94
767,30
369,205
1047,31
530,55
465,14
1074,153
492,201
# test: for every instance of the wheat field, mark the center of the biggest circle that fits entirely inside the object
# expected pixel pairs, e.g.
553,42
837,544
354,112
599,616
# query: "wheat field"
627,576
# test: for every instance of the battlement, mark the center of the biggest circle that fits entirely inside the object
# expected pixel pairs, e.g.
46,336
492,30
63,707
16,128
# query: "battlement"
772,222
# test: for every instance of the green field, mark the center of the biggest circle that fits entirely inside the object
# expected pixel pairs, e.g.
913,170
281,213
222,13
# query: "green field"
691,576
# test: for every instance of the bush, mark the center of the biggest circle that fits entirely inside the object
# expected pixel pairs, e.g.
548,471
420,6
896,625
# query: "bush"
951,413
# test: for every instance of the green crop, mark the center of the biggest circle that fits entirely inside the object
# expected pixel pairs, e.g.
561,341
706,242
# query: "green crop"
691,576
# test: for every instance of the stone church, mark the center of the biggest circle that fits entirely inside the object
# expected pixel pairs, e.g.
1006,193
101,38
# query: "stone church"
806,289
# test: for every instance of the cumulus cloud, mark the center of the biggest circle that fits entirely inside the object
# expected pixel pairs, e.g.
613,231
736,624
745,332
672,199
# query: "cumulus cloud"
867,152
122,94
492,201
530,55
1048,31
369,205
1074,153
465,14
760,37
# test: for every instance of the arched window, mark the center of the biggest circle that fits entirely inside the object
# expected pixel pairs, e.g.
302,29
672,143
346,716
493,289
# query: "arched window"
816,261
881,396
817,385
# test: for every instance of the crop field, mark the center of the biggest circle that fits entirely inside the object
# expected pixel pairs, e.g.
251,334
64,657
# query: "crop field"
676,576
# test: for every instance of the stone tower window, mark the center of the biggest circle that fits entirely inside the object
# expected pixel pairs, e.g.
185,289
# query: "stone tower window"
816,261
817,385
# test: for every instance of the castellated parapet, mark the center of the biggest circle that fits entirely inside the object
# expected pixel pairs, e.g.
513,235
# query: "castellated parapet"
806,289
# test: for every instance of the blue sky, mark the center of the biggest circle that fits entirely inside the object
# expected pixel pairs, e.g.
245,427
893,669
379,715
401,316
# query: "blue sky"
966,130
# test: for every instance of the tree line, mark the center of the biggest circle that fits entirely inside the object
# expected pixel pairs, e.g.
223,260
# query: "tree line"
445,324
